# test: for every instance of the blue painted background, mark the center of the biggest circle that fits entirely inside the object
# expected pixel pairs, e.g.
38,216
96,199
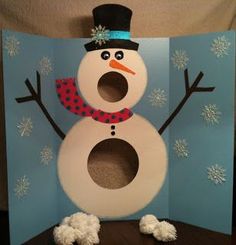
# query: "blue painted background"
193,198
186,195
38,210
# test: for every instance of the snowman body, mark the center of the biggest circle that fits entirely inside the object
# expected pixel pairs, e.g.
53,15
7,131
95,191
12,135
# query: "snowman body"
104,202
125,70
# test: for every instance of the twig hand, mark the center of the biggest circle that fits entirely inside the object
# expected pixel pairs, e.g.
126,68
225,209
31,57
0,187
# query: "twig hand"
36,96
189,90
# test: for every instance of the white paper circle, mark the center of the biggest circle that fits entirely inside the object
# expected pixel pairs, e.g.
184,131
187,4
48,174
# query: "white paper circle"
90,197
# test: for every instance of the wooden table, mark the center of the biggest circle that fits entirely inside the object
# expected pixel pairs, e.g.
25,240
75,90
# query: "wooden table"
127,233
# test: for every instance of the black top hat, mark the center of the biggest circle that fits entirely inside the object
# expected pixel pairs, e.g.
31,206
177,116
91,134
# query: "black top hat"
112,28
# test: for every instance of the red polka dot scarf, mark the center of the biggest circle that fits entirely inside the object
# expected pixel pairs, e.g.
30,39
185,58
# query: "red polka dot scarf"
70,99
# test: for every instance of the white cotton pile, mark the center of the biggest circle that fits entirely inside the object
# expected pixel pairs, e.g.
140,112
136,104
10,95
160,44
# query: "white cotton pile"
65,221
79,227
162,231
165,232
83,221
148,223
87,228
64,235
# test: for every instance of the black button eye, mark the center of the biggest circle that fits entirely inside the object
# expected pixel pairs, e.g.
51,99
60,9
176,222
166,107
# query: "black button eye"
119,55
105,55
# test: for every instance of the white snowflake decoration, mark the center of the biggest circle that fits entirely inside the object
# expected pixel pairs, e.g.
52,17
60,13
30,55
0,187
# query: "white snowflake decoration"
22,187
12,45
25,127
220,46
46,155
45,66
181,148
211,114
100,35
157,97
180,59
216,174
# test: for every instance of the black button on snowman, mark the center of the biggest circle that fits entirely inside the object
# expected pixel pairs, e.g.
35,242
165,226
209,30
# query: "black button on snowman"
119,62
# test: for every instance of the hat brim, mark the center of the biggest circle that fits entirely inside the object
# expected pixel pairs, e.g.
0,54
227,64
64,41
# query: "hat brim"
114,43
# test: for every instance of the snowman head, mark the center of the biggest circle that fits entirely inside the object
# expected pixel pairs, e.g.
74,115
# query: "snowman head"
112,75
112,79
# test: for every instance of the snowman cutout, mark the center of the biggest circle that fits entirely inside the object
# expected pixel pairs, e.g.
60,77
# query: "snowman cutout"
115,84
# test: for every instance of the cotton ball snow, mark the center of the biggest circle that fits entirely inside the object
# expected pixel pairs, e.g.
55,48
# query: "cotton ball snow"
78,220
148,223
83,222
65,221
93,218
79,227
93,222
165,232
86,228
90,237
64,235
79,235
86,235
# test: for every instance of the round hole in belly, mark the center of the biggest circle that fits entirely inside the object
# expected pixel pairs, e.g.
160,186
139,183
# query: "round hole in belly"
112,86
113,163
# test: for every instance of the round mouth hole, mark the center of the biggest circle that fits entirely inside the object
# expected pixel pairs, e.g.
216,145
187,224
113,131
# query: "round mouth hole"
113,163
112,86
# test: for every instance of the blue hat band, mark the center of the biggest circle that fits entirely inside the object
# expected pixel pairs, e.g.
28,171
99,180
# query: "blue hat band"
125,35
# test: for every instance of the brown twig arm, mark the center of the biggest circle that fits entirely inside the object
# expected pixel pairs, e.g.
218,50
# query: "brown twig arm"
189,90
36,96
186,80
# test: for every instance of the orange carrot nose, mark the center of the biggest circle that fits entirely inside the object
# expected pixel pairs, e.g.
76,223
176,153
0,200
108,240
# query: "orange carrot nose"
117,65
